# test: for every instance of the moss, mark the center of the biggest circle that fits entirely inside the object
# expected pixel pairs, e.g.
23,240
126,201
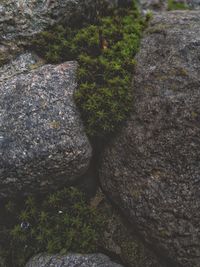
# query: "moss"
158,28
134,252
60,223
105,52
3,59
173,5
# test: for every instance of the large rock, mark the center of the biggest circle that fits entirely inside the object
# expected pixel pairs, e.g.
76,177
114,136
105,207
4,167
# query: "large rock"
23,18
20,20
152,169
71,260
118,239
161,5
42,140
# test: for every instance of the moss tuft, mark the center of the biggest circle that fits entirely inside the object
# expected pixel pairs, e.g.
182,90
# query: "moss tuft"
174,5
105,52
60,223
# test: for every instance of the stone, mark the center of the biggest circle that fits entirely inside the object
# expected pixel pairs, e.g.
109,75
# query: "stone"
151,170
43,145
118,239
20,20
156,5
162,5
71,260
24,18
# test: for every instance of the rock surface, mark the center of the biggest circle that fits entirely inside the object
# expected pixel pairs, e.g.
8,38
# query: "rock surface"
23,18
71,260
161,5
151,170
120,240
42,139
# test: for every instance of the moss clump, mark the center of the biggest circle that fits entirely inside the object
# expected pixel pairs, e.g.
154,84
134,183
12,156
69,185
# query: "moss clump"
174,5
105,52
62,222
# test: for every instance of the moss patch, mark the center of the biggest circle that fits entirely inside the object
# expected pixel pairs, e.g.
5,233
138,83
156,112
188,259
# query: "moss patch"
105,52
60,223
173,5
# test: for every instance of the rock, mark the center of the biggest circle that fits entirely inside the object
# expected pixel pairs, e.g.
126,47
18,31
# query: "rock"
151,170
20,20
119,240
42,140
71,260
195,4
2,263
156,5
22,64
24,18
161,5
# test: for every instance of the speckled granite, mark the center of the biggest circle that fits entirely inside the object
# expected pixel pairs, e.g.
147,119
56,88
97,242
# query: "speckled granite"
151,171
161,5
22,18
71,260
42,140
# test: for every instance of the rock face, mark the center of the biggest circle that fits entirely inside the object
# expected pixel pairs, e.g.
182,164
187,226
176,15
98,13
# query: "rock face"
161,5
151,170
153,4
119,240
72,260
23,18
42,139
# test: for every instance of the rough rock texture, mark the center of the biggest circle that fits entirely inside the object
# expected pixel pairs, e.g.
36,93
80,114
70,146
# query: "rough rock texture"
22,64
118,239
161,5
71,260
152,170
2,263
22,18
42,139
153,4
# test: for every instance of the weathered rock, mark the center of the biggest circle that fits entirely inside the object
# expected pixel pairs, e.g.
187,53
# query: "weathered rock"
23,18
2,263
20,20
22,64
161,5
153,4
42,140
151,170
119,239
71,260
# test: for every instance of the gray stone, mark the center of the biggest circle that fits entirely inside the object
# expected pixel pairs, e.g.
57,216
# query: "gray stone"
156,5
71,260
20,20
152,169
161,5
194,4
24,63
23,18
119,239
42,140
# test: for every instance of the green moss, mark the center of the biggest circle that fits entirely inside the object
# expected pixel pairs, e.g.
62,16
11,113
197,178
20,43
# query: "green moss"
3,59
158,28
105,52
60,223
173,5
134,252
